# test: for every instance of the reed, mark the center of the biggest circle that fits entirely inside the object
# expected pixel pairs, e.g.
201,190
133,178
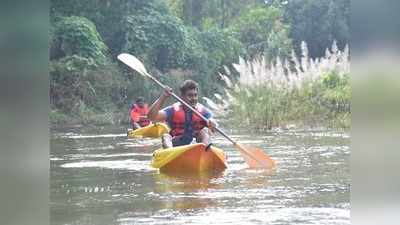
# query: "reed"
298,91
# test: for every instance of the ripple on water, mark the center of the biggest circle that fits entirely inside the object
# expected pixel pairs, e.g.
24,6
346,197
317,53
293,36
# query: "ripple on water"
106,147
81,136
128,164
251,215
98,156
270,215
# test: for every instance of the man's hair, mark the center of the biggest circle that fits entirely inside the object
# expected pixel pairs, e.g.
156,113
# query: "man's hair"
188,85
139,99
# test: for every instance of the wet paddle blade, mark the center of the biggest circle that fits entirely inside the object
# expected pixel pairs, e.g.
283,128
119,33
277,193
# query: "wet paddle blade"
255,157
133,63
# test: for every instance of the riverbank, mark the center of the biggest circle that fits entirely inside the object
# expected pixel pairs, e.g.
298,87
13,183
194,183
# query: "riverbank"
59,119
336,122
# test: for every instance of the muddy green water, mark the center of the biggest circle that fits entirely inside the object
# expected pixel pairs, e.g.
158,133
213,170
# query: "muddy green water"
98,176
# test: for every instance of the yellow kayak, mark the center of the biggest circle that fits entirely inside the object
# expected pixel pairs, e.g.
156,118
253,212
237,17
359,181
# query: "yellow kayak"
189,159
155,130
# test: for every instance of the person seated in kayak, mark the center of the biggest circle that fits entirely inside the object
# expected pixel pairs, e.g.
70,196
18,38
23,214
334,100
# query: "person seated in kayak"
138,114
185,124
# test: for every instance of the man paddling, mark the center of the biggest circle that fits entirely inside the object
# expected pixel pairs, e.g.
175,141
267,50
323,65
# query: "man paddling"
138,114
185,125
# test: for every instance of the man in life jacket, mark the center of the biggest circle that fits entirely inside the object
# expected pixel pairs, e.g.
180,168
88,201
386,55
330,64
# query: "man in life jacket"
138,114
185,125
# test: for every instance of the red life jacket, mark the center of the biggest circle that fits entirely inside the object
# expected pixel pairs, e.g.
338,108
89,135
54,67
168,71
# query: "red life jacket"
178,119
137,115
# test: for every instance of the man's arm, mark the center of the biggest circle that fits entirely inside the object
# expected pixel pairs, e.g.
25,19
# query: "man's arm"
154,111
134,119
134,116
212,124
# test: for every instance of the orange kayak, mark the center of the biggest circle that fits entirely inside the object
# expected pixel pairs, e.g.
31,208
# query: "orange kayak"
189,159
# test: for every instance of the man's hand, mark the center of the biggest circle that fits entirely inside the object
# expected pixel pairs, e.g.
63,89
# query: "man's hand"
212,125
167,92
135,126
155,114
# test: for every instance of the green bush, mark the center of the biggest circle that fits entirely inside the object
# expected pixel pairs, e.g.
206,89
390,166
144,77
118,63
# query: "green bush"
77,36
161,40
314,104
266,96
262,32
337,91
57,117
77,82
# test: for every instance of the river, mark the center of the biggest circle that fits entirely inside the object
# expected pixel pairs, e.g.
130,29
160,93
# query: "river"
99,176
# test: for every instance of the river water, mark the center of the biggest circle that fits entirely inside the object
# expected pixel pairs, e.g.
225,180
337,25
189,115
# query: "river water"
99,176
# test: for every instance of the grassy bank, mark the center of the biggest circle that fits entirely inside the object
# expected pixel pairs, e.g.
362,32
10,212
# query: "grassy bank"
300,92
89,117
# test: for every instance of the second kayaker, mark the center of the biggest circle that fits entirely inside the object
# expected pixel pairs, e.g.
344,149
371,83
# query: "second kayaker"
138,114
185,125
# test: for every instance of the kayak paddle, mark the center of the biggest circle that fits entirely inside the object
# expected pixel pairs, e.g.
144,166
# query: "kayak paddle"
254,157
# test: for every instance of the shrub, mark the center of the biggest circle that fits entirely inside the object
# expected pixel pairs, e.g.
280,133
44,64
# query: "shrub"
305,91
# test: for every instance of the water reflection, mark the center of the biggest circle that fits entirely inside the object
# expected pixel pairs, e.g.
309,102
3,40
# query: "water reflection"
186,191
180,182
253,178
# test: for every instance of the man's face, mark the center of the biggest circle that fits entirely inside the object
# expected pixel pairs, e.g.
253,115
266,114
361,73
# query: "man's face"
140,104
191,97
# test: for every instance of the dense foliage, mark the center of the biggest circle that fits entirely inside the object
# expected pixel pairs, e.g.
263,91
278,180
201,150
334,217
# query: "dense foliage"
176,39
263,32
77,36
319,23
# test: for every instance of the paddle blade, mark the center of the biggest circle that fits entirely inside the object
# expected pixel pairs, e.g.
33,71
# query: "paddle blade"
255,157
133,63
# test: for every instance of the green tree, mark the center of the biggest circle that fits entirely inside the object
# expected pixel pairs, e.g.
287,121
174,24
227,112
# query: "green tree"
221,48
210,13
162,40
77,36
82,78
319,23
262,31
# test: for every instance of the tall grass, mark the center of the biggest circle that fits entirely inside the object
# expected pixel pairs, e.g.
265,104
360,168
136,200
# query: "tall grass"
298,91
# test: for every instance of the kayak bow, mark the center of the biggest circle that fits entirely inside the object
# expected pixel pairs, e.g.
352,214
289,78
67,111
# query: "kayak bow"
155,130
189,159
